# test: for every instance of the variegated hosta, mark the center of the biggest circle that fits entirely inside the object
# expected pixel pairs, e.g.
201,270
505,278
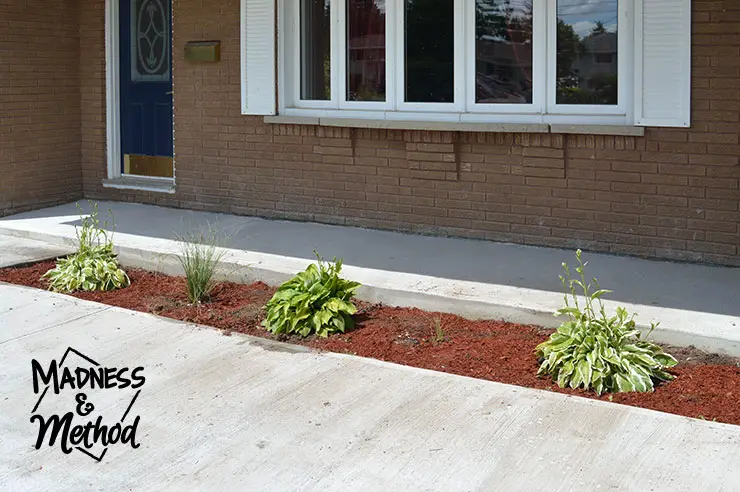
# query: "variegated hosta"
93,266
595,351
94,269
316,301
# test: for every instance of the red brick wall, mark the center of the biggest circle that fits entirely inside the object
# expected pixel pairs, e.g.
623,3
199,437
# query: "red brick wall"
39,104
671,194
92,94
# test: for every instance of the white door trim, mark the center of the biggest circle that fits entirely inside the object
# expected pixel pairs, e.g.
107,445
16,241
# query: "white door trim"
112,88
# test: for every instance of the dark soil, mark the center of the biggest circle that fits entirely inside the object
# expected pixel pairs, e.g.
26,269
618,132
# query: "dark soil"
707,386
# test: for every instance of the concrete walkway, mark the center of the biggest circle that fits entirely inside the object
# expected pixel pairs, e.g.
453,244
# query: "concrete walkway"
14,251
238,413
695,304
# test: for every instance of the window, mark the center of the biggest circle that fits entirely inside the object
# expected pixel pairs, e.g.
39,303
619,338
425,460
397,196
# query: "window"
499,61
315,50
150,48
366,54
587,32
429,51
555,63
504,55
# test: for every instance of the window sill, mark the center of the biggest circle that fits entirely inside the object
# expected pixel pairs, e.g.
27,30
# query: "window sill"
156,185
454,126
619,130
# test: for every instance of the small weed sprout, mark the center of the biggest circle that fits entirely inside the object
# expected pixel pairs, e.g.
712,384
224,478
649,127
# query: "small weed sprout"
439,333
93,267
201,254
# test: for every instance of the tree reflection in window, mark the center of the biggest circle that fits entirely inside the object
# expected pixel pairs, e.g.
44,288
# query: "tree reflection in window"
315,50
587,45
366,50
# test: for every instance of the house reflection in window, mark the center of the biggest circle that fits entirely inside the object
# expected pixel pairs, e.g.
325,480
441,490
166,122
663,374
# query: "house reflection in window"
587,45
503,51
366,50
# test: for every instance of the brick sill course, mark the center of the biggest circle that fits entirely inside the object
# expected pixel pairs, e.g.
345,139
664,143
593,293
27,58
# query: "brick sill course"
621,130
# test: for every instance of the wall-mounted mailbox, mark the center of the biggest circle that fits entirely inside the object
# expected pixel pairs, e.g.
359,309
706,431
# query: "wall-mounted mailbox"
203,51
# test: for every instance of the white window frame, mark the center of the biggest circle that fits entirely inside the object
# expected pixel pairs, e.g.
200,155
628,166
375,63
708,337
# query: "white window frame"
543,108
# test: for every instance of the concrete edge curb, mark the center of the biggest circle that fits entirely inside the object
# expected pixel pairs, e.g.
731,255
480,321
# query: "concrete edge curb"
706,331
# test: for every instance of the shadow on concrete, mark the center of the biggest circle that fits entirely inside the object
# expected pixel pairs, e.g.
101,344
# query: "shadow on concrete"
667,284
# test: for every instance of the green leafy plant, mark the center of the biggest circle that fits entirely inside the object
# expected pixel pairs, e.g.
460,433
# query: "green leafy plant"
316,301
200,257
439,335
595,351
93,267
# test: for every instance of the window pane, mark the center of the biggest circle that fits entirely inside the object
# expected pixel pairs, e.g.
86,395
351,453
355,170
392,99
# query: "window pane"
150,41
587,52
366,50
503,51
429,26
315,50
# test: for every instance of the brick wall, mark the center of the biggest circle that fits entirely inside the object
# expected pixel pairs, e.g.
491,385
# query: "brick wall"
39,104
671,194
92,94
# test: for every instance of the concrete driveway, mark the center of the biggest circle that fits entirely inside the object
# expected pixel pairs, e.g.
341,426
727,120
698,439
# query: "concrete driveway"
238,413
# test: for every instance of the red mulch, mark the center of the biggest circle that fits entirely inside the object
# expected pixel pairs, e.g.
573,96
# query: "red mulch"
707,385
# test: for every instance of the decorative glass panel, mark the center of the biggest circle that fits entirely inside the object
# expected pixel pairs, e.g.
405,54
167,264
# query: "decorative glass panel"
315,50
503,51
587,52
150,41
430,58
366,50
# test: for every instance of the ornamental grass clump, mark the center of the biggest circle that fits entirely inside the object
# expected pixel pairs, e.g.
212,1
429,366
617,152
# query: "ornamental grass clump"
93,267
200,256
316,301
598,352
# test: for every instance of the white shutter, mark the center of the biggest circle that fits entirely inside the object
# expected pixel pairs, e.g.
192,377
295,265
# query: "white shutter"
663,62
258,57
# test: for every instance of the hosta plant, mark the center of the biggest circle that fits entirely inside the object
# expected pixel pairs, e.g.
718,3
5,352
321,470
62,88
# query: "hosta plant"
93,267
316,301
596,351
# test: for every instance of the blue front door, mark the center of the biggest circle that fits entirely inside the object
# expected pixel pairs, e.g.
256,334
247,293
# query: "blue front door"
146,87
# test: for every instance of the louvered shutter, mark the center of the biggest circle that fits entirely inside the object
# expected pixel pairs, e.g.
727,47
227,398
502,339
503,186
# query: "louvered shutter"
663,62
258,57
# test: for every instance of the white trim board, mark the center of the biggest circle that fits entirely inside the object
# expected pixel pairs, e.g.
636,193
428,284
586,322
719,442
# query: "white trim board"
112,89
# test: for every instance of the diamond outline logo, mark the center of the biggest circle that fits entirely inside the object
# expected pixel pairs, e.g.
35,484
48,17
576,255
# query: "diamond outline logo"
97,364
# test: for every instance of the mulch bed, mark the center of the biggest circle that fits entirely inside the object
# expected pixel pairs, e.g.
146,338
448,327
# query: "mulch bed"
707,385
